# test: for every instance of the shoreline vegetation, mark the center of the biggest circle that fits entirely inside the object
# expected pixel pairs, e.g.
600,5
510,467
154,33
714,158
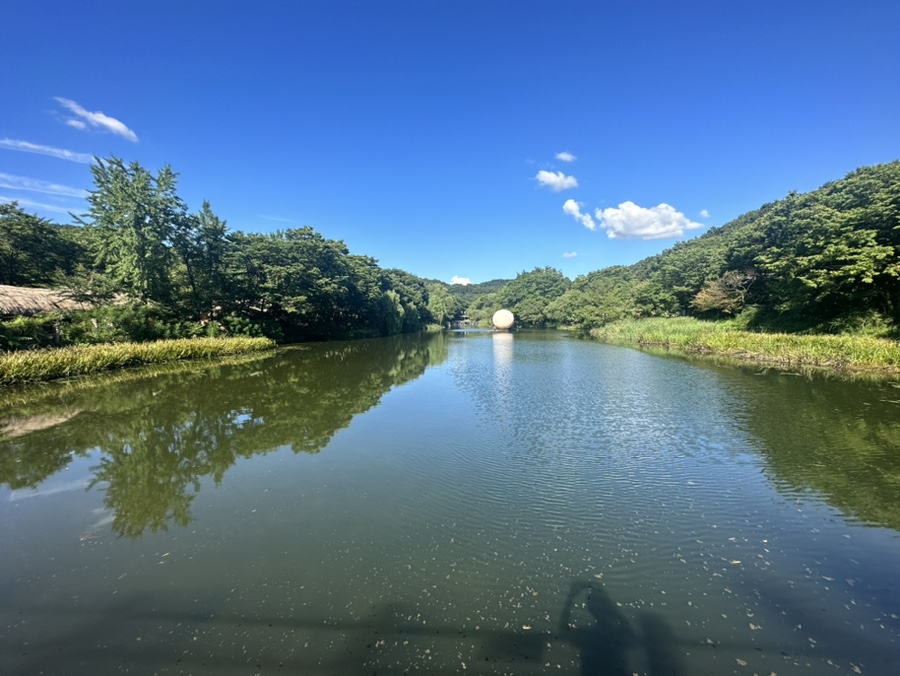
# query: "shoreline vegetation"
30,366
810,280
857,353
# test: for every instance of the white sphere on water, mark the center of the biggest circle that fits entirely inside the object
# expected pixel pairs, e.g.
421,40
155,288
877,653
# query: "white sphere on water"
503,319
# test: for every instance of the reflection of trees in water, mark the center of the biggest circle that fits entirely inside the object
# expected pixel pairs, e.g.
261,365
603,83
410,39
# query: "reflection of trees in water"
834,436
159,437
838,439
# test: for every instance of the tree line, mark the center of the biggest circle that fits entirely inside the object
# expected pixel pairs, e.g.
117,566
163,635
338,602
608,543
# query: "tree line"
153,269
826,261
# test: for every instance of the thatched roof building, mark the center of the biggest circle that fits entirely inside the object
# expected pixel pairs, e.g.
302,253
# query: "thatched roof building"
21,300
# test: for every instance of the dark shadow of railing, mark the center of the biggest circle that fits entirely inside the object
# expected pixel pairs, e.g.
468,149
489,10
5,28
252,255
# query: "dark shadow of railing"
137,631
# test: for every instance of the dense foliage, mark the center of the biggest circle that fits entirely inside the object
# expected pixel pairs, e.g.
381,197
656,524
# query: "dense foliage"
466,294
154,270
528,297
825,261
33,251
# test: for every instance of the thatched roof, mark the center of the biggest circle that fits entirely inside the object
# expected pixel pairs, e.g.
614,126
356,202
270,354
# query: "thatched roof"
19,426
21,300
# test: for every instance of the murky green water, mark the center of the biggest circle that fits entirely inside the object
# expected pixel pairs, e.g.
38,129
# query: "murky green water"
463,503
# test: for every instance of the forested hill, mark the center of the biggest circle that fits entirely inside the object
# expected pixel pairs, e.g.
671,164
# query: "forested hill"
827,260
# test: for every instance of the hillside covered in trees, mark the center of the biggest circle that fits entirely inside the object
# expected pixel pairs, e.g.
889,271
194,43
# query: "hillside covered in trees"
827,261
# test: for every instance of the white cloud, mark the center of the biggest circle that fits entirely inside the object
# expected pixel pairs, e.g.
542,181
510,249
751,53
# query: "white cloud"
26,147
573,209
62,487
565,156
556,181
277,219
630,221
36,185
704,213
570,254
35,205
97,119
465,281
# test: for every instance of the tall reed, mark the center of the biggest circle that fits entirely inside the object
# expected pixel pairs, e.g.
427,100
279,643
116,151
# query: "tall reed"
724,338
35,365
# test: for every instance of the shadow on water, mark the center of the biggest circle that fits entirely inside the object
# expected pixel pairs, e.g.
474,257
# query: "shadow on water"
607,644
139,632
605,640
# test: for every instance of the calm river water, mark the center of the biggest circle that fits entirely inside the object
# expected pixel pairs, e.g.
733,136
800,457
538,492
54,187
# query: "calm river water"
460,503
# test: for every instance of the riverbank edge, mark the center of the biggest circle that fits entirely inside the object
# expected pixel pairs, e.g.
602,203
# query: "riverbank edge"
843,353
31,366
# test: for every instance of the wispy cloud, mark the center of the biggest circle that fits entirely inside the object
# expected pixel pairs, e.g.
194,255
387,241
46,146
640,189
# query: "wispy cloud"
276,219
565,156
573,209
556,181
62,487
465,281
704,213
36,185
26,147
85,118
570,254
630,221
55,208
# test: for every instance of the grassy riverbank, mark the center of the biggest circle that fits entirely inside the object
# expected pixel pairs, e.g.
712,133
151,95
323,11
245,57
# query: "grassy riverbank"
858,353
36,365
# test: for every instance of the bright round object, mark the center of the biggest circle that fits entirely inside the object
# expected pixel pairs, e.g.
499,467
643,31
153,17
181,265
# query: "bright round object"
503,319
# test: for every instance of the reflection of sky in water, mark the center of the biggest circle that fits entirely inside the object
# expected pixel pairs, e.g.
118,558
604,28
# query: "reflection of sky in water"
48,488
503,357
75,477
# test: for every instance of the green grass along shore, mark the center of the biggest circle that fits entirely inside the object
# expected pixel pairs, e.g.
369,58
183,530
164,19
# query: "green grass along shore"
842,352
38,365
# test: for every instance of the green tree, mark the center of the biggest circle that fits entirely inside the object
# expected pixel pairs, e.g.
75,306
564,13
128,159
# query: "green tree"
528,297
133,217
596,298
442,306
33,251
199,241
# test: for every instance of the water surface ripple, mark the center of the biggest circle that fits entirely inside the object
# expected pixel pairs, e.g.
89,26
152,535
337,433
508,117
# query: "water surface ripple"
466,502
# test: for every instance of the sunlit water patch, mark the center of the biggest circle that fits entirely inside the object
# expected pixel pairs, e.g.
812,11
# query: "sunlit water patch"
475,502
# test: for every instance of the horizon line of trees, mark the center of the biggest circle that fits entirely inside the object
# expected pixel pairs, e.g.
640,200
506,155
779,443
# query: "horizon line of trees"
824,261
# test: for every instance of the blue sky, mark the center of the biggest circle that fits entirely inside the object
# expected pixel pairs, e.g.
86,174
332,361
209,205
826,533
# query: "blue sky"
454,139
